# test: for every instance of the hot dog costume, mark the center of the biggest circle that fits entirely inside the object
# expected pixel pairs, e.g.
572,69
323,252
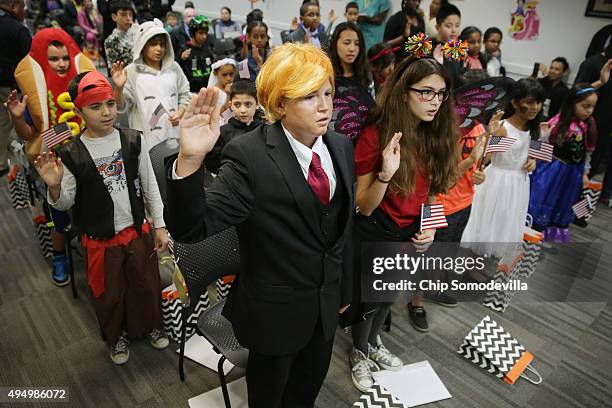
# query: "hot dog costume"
48,99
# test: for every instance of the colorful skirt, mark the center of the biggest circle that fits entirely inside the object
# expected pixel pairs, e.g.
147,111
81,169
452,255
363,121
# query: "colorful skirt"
555,188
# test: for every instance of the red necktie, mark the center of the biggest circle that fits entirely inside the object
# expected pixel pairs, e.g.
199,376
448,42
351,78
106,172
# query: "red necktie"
319,183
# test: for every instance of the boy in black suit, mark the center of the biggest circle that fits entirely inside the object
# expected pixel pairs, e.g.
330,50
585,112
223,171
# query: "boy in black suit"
289,190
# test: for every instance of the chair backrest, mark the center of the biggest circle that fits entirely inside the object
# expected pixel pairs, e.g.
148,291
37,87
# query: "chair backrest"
204,262
158,154
284,36
214,22
224,47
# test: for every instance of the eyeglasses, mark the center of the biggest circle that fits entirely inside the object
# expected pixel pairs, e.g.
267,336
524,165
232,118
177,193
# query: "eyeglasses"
427,95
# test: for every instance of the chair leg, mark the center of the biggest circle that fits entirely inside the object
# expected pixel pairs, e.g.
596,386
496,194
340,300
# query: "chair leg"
184,314
71,266
223,383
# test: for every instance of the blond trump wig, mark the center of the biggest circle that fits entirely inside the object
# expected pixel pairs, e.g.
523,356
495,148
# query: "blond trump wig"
291,71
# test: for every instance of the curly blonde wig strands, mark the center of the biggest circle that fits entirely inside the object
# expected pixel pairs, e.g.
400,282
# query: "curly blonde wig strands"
291,71
431,147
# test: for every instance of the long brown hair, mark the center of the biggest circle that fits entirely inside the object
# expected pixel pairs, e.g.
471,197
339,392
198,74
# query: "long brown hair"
429,147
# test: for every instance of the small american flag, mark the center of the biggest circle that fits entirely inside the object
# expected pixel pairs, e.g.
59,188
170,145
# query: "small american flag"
540,150
432,216
499,144
56,135
582,208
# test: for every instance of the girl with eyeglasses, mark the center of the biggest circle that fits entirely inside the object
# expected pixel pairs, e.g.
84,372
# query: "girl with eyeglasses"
406,155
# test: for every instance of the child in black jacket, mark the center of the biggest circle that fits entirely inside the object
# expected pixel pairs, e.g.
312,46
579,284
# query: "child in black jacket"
247,116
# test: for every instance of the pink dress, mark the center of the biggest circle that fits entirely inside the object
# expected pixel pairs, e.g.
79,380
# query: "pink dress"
531,29
89,27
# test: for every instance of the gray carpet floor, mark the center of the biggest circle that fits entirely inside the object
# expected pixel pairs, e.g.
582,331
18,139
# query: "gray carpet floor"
50,339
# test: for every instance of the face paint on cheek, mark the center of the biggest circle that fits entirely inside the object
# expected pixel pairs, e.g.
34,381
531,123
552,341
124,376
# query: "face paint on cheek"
524,109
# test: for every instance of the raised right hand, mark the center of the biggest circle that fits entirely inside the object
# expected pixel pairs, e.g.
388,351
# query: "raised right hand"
50,168
199,126
495,123
331,16
604,75
119,74
294,24
544,130
391,157
185,54
14,106
479,147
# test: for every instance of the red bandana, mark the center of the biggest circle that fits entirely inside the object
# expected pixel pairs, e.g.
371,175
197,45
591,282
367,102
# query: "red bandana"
93,88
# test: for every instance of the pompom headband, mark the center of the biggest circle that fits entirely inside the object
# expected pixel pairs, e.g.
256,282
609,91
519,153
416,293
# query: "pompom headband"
420,45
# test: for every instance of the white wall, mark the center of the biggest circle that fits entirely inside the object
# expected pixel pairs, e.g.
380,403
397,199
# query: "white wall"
564,30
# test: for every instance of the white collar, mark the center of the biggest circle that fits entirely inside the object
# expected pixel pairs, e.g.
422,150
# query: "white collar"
303,152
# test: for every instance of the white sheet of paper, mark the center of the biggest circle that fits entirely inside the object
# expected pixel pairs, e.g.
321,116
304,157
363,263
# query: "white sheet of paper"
237,391
198,349
415,384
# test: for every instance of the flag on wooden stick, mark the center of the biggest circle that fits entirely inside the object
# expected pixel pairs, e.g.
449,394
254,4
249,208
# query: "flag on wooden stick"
432,216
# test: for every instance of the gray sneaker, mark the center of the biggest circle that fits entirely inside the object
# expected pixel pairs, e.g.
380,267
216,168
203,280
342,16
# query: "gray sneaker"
383,357
361,370
158,339
120,353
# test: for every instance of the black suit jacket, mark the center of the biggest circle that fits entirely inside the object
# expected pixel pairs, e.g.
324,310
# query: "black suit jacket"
288,277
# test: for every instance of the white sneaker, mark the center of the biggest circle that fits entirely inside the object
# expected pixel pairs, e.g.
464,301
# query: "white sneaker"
158,339
361,370
384,357
119,353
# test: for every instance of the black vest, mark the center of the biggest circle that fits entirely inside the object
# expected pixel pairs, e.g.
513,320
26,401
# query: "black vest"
93,211
332,218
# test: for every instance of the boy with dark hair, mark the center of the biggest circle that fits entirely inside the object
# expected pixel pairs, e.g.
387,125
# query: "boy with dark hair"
118,46
308,31
247,116
556,89
448,24
105,176
197,58
492,40
351,12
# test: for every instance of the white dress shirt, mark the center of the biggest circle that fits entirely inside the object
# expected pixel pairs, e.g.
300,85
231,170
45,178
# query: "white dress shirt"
304,155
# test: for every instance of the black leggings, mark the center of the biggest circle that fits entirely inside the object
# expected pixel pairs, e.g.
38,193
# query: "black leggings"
366,332
377,227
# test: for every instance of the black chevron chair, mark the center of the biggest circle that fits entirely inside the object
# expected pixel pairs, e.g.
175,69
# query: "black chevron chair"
202,264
